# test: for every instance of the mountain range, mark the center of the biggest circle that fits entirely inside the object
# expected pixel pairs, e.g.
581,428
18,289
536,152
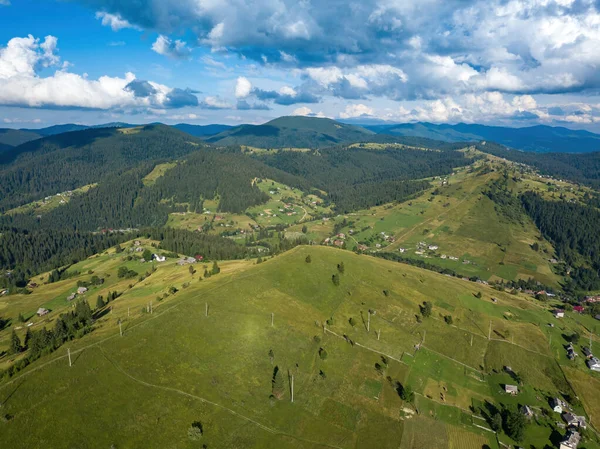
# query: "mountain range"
312,132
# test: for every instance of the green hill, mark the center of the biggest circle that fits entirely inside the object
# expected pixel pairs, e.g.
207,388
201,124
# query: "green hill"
181,365
15,137
539,138
292,132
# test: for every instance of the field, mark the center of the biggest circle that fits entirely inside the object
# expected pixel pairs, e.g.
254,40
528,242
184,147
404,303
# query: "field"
179,364
463,226
51,202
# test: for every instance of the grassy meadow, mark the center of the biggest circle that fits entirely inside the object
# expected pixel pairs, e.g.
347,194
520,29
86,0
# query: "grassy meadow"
177,365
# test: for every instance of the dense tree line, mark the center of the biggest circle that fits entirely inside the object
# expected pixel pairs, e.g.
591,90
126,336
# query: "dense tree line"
506,204
37,251
66,161
581,168
574,231
68,326
342,170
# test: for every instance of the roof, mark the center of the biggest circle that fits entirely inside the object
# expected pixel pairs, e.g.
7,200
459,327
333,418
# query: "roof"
572,439
511,388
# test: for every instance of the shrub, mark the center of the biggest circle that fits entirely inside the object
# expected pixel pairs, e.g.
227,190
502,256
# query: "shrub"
195,431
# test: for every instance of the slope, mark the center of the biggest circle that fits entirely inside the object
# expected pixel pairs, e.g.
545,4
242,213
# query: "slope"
203,355
15,137
202,130
539,138
292,132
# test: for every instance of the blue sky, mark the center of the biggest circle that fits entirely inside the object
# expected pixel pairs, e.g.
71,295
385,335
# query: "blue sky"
504,62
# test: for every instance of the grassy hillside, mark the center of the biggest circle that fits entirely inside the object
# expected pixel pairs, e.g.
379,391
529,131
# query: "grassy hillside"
177,366
16,137
292,132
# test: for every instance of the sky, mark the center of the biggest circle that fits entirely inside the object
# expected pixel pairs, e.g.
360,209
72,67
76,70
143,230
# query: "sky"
498,62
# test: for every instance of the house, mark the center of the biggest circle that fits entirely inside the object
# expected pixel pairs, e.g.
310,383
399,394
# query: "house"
571,440
578,309
587,352
81,290
139,249
593,364
71,297
341,235
526,410
186,261
32,285
433,247
41,311
338,243
511,389
558,405
574,420
558,313
137,243
158,258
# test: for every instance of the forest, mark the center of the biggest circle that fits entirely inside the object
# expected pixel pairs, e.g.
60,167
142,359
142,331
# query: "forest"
574,230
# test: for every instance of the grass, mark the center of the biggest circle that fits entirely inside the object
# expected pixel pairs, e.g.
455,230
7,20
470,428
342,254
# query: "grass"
158,171
51,202
178,366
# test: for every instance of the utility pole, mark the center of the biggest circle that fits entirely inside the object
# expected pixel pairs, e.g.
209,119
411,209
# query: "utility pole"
378,334
292,388
369,322
590,340
490,332
127,312
272,316
471,339
150,307
120,328
206,310
69,354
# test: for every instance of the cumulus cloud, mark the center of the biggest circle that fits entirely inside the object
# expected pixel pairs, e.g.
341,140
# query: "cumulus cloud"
243,105
437,47
113,20
242,87
173,49
357,110
307,112
21,84
215,102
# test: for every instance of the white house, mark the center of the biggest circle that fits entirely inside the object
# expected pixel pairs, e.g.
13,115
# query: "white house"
593,364
158,258
558,313
558,405
81,290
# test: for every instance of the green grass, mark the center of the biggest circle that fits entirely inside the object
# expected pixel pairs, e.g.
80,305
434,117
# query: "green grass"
172,367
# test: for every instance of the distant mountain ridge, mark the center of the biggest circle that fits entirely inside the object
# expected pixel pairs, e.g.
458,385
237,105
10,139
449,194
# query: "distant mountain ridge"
292,131
540,138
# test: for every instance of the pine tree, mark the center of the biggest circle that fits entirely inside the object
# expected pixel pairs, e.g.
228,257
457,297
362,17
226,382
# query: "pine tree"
308,259
27,338
278,384
341,267
15,343
215,268
99,303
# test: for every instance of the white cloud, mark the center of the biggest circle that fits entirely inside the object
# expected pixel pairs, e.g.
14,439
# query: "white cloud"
357,110
307,112
214,102
287,90
242,87
4,2
173,49
20,84
113,20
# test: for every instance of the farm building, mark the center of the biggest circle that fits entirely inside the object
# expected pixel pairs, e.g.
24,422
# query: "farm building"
558,313
81,290
139,249
578,309
558,405
41,311
526,410
593,364
71,297
571,440
574,420
158,258
186,261
511,389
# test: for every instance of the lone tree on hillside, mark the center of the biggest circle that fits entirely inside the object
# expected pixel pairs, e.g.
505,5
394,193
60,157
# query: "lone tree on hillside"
478,295
191,270
15,343
195,431
406,393
271,356
147,255
215,268
341,267
308,259
304,229
352,321
426,309
335,279
514,424
278,387
99,302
